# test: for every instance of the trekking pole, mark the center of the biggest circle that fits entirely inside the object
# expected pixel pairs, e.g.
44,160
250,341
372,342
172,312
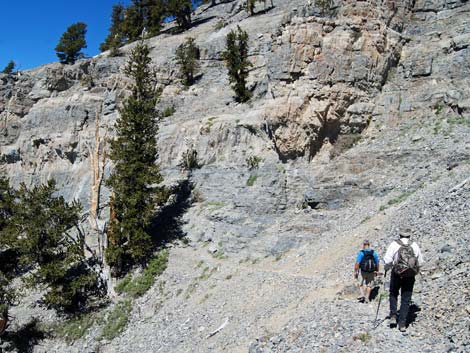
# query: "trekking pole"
380,300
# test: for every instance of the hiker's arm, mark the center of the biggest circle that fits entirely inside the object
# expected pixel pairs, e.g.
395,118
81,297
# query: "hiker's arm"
360,254
356,269
419,255
388,258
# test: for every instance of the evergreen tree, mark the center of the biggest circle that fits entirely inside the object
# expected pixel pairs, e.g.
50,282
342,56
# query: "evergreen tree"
181,10
7,294
44,229
134,19
9,68
7,197
71,43
133,181
155,16
143,17
115,38
7,297
187,57
236,60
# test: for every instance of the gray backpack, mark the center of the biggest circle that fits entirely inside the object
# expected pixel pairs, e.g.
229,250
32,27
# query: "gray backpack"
407,263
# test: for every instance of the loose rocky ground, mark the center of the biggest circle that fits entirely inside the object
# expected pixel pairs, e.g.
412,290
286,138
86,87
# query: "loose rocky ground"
270,260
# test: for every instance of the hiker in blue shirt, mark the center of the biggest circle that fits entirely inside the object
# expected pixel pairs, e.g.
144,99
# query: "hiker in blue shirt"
368,262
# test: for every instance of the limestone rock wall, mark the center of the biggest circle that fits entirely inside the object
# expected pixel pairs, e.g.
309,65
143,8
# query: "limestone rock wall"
318,79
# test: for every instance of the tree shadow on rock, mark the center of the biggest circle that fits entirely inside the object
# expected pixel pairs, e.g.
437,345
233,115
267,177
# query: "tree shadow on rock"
263,11
167,226
25,338
202,21
178,30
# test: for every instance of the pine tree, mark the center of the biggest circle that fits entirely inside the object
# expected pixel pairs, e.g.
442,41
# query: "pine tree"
133,24
181,10
236,60
71,43
6,206
187,57
143,17
44,229
155,16
115,38
7,293
9,68
133,181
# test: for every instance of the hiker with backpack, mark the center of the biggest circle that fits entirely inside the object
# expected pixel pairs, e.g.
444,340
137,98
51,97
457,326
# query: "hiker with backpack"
367,262
404,257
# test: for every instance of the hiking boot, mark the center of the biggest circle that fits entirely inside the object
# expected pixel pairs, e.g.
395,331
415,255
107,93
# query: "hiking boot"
393,321
361,299
402,327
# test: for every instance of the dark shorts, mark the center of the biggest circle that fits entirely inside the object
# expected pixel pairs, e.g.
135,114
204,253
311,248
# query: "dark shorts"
367,278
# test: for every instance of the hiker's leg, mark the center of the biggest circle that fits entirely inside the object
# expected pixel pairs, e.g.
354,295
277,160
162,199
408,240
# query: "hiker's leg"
368,279
394,290
406,293
368,290
360,285
361,291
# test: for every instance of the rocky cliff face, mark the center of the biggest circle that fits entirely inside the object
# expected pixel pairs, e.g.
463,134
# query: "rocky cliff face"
360,122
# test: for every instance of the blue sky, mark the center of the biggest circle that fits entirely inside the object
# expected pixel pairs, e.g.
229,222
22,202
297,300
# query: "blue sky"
30,29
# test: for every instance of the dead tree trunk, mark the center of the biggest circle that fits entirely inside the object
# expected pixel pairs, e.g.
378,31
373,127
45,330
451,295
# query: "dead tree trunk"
97,165
98,239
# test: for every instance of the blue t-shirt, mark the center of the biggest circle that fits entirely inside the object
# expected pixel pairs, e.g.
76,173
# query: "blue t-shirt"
360,255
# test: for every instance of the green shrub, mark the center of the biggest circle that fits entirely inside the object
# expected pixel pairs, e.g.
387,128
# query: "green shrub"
75,328
400,198
219,25
189,160
117,319
363,337
438,107
458,120
122,285
169,111
136,287
251,180
253,162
